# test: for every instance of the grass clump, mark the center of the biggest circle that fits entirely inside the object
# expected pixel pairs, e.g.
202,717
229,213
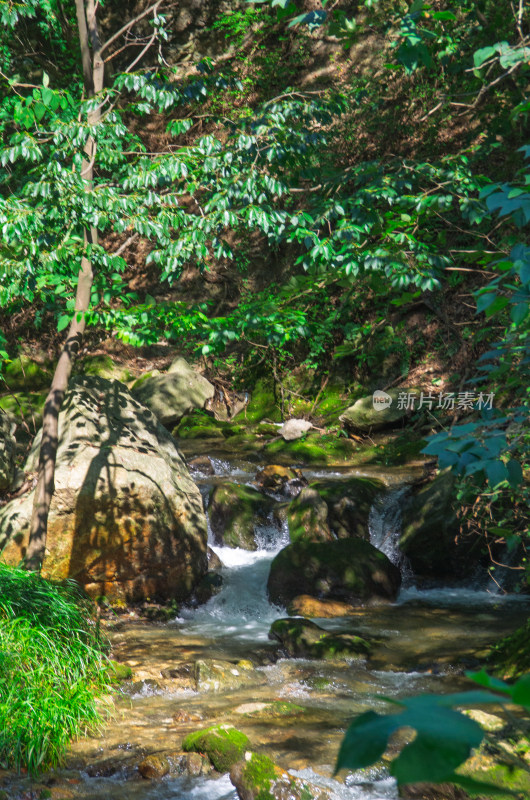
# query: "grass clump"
52,668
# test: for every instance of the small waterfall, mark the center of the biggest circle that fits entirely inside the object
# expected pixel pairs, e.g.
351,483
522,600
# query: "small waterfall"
242,610
384,525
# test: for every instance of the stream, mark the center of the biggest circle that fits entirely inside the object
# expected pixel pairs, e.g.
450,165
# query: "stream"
424,641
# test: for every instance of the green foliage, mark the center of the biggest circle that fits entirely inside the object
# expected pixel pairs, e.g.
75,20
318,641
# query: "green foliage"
444,737
52,669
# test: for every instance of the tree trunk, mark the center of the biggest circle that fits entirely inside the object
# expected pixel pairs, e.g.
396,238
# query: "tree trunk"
93,75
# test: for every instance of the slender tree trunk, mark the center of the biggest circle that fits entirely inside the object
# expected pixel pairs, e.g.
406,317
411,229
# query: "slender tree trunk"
93,75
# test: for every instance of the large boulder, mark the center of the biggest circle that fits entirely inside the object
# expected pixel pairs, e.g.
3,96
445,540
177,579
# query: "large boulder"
126,520
175,393
430,530
8,447
235,512
351,570
374,412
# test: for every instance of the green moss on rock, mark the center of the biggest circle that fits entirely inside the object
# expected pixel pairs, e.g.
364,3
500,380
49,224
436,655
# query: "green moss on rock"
234,511
350,570
223,744
263,404
510,658
24,374
302,638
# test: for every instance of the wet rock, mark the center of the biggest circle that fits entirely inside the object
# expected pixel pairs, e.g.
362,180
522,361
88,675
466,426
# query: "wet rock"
174,394
280,480
257,777
306,606
147,686
214,562
350,570
234,512
349,502
154,767
120,672
184,674
307,517
302,638
8,448
126,521
430,528
269,711
362,416
212,675
209,585
201,464
294,429
223,744
430,791
182,716
157,766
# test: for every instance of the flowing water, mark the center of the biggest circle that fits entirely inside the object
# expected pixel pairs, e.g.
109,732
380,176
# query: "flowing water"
424,641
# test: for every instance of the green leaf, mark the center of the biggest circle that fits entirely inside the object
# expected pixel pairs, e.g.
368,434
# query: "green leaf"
496,472
63,322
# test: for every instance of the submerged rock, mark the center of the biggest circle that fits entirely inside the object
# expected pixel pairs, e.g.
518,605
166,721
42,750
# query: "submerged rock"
223,744
302,638
306,606
174,394
350,570
126,521
259,778
216,675
234,511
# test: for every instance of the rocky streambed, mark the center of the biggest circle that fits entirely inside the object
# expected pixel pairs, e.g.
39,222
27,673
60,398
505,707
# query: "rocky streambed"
215,665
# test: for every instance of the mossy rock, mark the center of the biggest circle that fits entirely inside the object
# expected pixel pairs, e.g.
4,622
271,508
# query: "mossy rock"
301,638
138,382
429,535
278,709
120,672
399,450
363,416
351,570
259,778
233,429
263,403
311,449
104,366
267,429
349,502
307,517
201,432
510,658
24,374
223,744
234,511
